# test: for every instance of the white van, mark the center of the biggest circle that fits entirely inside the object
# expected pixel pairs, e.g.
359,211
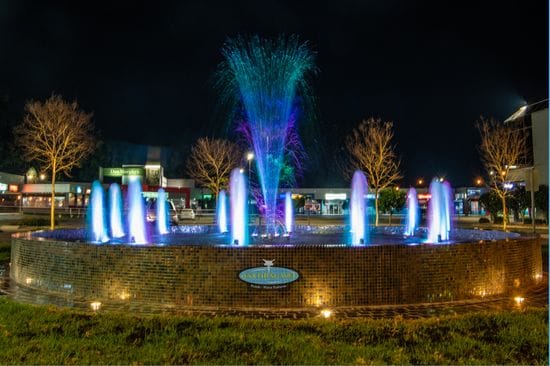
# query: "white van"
152,211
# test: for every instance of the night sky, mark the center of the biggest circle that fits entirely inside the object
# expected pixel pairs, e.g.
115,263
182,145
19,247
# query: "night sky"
146,70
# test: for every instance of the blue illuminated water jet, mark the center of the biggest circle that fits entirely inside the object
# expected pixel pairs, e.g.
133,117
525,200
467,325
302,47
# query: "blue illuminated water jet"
136,213
439,211
239,214
412,212
162,216
289,213
96,215
115,211
358,209
266,75
221,212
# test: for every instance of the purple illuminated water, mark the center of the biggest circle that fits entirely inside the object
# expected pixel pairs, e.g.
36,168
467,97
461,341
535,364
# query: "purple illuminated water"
115,211
98,228
221,212
239,214
412,212
358,209
162,216
136,213
439,211
289,213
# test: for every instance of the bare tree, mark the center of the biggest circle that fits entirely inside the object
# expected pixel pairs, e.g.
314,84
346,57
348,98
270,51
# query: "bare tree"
502,148
57,135
370,149
211,162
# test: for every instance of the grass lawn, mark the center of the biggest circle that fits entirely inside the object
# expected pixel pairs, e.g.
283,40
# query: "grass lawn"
48,335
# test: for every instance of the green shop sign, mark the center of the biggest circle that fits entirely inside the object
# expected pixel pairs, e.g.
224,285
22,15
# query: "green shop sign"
126,172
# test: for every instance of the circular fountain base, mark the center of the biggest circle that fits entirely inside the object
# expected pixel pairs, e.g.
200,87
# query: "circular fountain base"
272,276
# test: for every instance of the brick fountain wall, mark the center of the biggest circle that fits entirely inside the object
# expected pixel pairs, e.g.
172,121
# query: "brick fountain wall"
334,276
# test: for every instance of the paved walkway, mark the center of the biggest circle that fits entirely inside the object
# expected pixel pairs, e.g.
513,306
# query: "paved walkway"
533,297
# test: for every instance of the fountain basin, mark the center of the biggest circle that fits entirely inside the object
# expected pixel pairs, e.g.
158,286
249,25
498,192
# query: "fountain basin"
327,274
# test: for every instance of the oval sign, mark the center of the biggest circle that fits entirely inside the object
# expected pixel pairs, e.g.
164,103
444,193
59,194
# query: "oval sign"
268,276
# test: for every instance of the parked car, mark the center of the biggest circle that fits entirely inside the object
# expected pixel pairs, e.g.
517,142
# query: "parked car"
152,211
186,213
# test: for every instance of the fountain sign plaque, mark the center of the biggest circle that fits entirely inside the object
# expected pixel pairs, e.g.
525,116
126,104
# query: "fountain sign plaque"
268,277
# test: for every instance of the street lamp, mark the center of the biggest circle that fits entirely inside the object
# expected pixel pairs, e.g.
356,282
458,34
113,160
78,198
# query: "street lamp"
249,158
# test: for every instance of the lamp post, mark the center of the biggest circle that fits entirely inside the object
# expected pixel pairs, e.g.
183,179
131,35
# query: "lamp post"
249,158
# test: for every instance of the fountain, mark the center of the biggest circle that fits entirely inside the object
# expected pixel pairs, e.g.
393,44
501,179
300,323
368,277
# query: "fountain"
198,266
98,229
265,77
239,214
162,215
115,210
136,216
412,212
439,211
358,208
221,212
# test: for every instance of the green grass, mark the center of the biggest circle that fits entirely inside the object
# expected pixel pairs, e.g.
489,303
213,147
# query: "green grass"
48,335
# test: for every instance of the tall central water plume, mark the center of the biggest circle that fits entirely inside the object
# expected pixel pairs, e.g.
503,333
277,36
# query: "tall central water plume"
266,75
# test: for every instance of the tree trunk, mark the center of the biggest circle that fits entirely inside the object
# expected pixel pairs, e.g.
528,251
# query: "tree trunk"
376,207
52,205
504,213
390,217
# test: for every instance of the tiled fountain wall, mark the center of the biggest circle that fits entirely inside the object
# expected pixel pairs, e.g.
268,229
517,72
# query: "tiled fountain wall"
335,276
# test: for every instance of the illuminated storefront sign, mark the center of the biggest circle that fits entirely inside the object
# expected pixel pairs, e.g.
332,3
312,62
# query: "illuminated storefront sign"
124,171
335,196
